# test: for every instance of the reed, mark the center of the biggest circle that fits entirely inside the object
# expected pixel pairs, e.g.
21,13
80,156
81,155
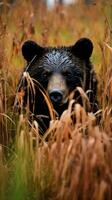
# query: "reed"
73,158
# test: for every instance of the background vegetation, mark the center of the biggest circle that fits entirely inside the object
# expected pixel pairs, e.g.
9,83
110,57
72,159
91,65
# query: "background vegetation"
75,162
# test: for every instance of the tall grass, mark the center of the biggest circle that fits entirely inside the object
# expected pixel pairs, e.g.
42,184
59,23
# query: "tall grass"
71,160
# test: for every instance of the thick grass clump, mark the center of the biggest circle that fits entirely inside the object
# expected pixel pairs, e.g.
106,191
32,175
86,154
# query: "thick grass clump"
73,158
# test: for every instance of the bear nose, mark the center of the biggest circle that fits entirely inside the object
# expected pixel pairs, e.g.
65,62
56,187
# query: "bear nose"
56,96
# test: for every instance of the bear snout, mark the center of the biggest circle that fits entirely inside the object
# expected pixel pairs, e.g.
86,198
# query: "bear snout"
56,96
57,90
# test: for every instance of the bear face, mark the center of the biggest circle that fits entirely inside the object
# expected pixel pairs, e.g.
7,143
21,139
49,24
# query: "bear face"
59,71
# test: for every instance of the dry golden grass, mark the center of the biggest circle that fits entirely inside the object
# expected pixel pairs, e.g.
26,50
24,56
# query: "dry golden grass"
72,160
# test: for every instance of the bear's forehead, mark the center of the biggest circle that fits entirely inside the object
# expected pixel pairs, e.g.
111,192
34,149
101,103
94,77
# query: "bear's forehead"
56,54
57,58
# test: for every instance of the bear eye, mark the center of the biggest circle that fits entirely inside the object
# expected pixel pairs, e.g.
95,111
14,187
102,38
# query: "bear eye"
46,74
66,73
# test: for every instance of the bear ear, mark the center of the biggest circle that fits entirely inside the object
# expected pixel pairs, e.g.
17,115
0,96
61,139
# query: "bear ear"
83,48
31,49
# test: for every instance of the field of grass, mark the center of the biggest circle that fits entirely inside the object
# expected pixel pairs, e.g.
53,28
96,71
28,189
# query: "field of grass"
74,163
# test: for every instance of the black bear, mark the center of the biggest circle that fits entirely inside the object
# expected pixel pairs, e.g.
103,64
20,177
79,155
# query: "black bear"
56,72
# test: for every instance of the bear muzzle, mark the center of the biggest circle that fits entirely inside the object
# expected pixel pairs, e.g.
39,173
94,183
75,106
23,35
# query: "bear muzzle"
57,90
56,96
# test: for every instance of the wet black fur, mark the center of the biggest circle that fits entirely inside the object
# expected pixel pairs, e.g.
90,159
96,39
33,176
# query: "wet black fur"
73,63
